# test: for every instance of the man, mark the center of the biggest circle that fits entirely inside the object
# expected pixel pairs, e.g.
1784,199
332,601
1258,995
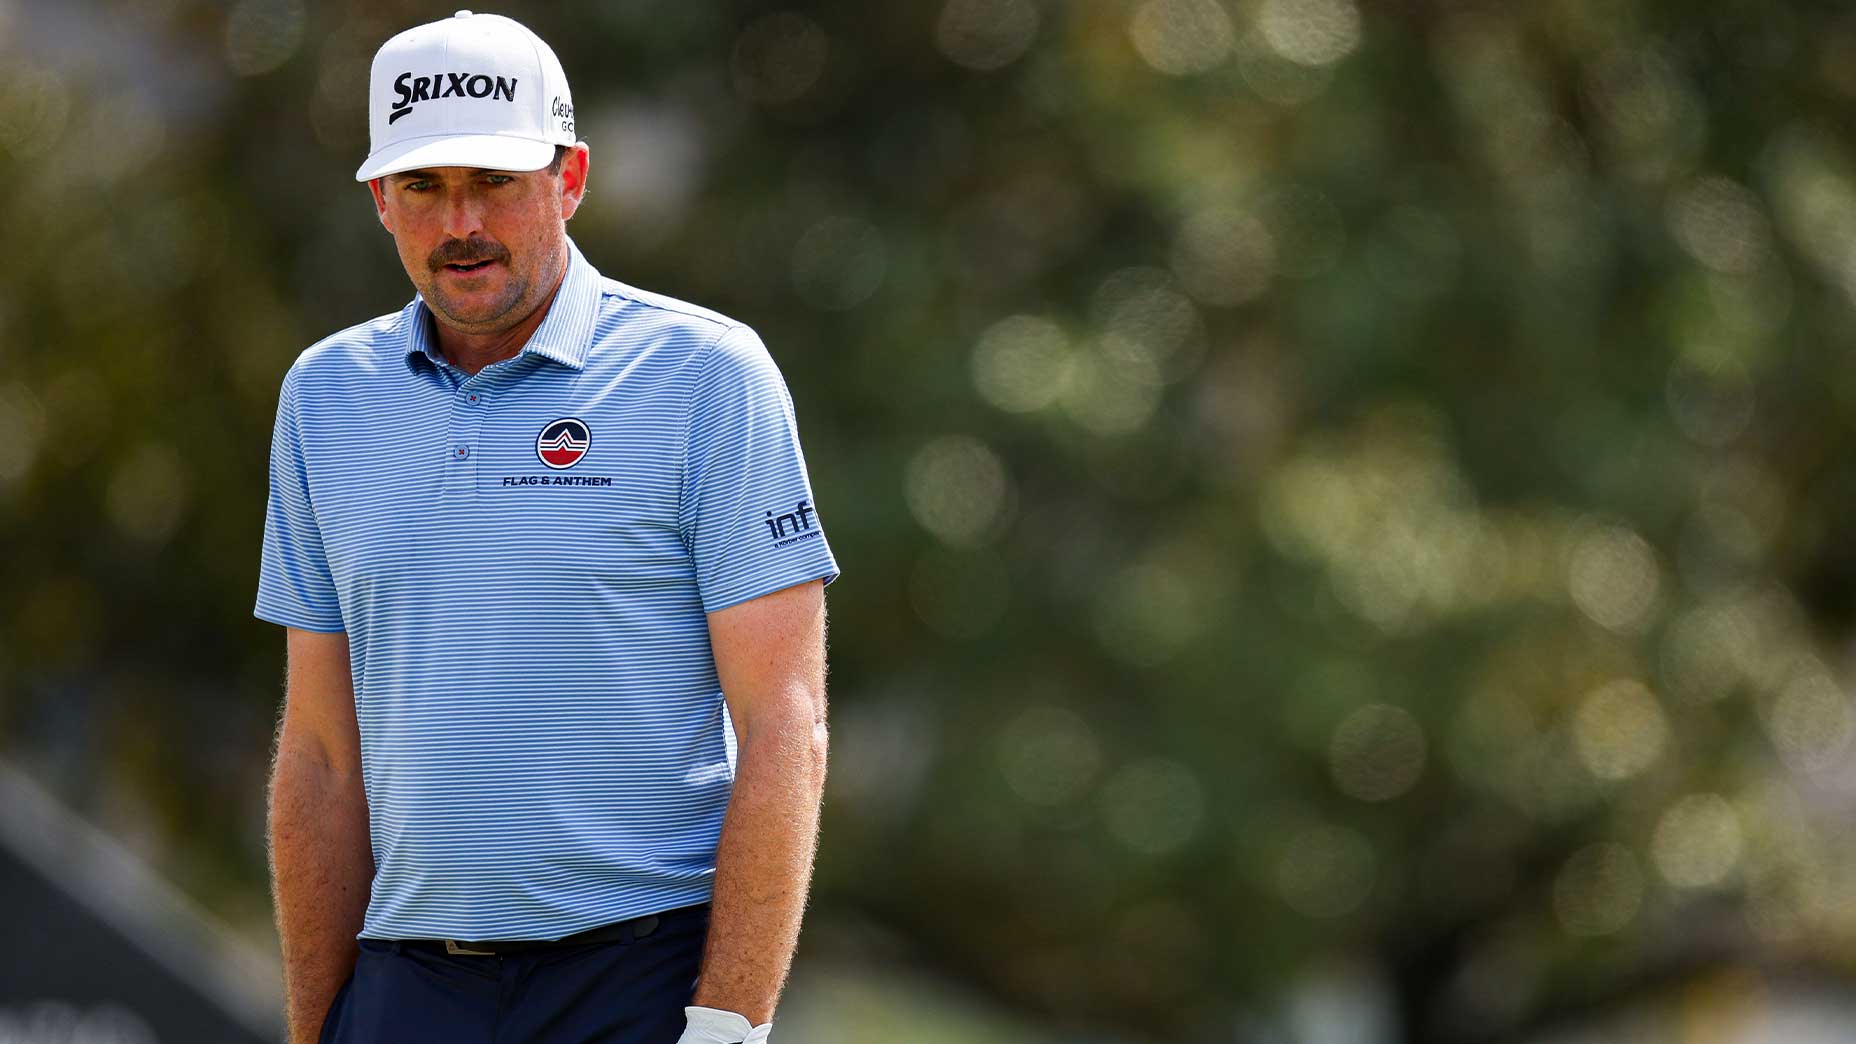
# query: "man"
554,734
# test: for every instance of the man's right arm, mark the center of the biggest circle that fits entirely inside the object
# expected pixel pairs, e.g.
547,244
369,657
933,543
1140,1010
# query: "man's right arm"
322,862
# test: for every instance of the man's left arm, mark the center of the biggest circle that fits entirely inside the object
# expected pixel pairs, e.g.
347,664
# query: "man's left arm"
770,656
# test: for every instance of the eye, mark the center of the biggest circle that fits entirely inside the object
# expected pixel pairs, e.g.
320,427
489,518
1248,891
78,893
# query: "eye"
419,186
498,179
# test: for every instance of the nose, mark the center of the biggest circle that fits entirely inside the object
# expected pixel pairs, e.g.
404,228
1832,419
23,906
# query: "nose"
463,214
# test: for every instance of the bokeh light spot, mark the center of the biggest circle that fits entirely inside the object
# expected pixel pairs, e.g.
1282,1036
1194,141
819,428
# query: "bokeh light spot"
1598,891
1377,752
653,166
986,34
338,108
1223,257
1613,578
1153,806
1181,37
129,132
958,490
22,428
1277,79
1049,755
1650,114
148,494
1810,721
1021,363
1720,224
1111,392
1621,730
262,34
886,743
779,57
1310,32
34,106
1698,841
1152,609
1147,323
1709,649
838,263
1326,871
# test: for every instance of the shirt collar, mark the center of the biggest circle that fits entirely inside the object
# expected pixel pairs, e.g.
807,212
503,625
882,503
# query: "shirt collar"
564,336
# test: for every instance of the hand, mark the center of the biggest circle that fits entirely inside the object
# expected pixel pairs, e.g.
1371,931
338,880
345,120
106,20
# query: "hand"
715,1026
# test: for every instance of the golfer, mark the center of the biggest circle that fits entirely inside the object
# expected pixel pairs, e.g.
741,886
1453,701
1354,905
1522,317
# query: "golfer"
552,575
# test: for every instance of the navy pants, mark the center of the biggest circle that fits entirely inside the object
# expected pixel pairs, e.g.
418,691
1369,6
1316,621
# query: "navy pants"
600,993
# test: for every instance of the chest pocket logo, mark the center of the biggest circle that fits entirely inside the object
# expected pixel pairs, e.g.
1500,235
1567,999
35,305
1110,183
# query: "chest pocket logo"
563,442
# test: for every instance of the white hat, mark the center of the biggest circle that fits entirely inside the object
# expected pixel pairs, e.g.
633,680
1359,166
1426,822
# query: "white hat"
469,91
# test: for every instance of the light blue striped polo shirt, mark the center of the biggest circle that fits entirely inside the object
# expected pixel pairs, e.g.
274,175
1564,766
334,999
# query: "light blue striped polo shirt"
522,560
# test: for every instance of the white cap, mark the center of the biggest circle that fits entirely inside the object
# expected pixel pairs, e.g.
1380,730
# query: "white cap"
469,91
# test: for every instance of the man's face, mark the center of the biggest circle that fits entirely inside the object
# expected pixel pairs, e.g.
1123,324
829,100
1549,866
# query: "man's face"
484,247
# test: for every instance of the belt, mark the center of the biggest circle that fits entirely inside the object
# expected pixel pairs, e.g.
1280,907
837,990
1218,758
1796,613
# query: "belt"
619,932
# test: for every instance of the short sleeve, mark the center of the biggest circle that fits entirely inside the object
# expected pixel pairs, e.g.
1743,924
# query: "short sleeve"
294,585
746,508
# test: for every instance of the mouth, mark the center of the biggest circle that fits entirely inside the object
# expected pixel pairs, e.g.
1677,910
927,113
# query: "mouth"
469,266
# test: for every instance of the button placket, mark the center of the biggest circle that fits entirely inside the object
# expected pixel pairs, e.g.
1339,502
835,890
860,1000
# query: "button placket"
466,420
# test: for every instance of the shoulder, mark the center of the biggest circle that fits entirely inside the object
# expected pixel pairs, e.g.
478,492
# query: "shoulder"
686,332
700,346
636,305
358,351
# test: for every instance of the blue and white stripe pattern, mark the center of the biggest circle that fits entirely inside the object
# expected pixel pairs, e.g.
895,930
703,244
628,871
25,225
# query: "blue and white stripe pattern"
543,738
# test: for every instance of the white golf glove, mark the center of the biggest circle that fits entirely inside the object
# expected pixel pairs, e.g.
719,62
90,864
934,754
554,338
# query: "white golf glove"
715,1026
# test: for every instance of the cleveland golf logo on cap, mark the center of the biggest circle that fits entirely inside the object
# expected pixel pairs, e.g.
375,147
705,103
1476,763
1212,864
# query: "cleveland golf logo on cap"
448,85
562,443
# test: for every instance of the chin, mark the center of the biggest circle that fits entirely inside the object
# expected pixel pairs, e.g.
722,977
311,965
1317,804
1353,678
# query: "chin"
473,313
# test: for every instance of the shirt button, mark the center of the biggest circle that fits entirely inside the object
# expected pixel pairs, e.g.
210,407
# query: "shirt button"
463,451
473,398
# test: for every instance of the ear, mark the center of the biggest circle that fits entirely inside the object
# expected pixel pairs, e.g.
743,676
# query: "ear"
380,203
573,179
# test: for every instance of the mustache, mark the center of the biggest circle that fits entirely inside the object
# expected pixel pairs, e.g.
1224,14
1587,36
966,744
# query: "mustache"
464,251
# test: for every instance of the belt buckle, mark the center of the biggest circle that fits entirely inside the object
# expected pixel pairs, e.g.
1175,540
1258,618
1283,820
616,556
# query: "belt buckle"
455,947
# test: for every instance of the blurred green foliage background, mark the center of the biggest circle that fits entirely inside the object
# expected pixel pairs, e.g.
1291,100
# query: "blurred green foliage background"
1340,501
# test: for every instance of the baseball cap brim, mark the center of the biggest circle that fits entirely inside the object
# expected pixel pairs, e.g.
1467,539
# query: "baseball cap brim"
480,151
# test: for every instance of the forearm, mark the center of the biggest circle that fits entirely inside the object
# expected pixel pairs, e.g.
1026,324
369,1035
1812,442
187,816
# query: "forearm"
763,867
322,868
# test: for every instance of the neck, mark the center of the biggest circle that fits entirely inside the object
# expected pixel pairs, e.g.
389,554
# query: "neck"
471,352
